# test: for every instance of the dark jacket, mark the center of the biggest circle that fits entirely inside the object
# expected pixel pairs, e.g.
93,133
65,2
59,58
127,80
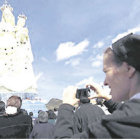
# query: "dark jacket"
2,113
42,130
52,121
85,115
124,122
111,105
15,126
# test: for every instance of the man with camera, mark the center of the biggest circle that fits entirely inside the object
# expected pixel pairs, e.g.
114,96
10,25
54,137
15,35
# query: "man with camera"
79,119
86,113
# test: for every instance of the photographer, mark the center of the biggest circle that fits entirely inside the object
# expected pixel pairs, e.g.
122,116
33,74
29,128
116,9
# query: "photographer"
86,113
121,65
71,122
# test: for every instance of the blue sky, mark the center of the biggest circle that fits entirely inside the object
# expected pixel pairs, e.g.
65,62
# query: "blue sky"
68,38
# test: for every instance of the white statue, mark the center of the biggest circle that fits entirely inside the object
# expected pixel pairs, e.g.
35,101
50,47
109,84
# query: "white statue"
7,24
16,72
21,31
7,15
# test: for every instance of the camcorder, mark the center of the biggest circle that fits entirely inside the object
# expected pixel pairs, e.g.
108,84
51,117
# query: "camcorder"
82,93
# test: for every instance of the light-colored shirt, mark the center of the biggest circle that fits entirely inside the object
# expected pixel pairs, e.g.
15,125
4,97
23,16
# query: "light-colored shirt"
136,96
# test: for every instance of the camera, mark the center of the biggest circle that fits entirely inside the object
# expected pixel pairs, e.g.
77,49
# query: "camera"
82,93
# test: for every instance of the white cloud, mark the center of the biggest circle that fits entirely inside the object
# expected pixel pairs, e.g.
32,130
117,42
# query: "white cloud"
106,88
99,57
85,81
73,62
99,44
69,49
97,60
96,63
133,30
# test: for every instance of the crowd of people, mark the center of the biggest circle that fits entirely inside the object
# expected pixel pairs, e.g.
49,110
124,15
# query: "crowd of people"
17,123
80,117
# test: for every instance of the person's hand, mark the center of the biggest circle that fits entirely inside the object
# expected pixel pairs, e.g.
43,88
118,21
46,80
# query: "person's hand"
93,101
99,91
69,95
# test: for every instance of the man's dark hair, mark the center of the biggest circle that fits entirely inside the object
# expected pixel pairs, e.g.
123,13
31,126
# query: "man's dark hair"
55,109
14,101
31,114
51,114
127,49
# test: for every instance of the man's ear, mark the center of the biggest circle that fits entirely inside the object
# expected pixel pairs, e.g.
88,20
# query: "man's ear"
130,69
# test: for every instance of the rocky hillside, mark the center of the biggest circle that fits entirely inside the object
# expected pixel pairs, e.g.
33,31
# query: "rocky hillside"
53,103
